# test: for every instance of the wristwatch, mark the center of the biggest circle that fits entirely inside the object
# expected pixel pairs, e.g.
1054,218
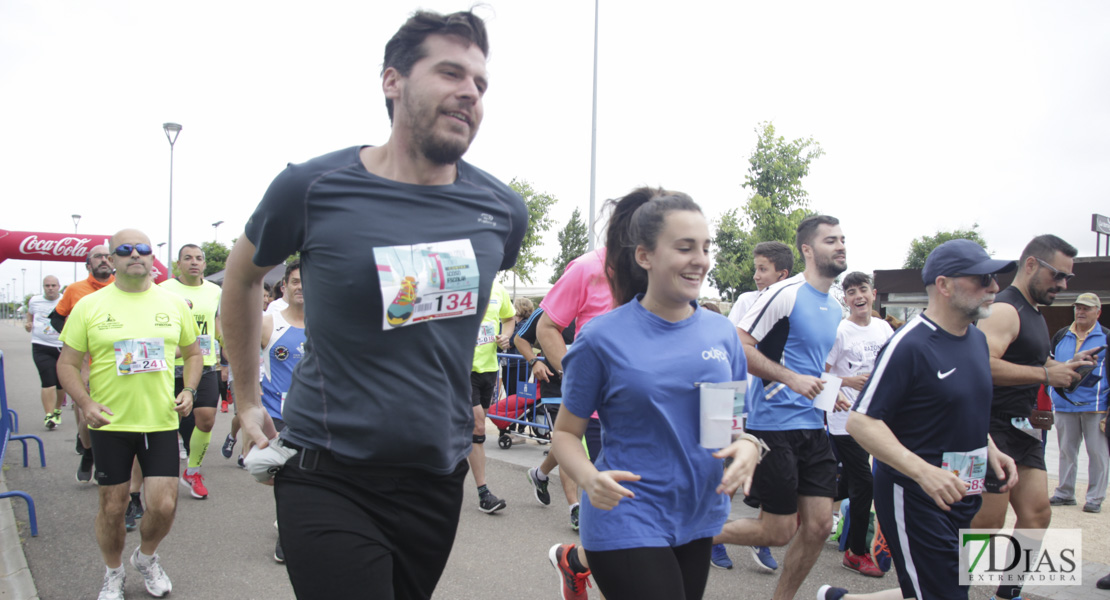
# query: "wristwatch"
532,361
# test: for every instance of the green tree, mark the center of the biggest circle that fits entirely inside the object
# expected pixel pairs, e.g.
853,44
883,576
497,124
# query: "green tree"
572,244
539,222
922,246
778,202
215,257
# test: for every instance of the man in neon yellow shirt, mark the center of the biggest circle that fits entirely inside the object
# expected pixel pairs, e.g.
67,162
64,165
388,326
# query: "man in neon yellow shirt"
483,385
203,297
130,329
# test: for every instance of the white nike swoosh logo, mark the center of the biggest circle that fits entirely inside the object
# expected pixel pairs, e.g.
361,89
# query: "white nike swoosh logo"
943,375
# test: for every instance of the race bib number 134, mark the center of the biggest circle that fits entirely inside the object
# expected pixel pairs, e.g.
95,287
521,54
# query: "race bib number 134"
422,282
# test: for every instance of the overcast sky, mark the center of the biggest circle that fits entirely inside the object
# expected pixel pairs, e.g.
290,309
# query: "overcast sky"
932,115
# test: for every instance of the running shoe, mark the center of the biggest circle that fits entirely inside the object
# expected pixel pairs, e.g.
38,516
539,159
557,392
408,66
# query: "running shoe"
113,585
57,417
1092,507
129,518
157,582
763,559
835,526
279,554
539,487
572,586
223,406
574,516
880,552
719,558
182,453
1058,501
138,504
828,592
1104,583
79,448
85,469
49,423
228,447
861,563
239,461
489,504
195,484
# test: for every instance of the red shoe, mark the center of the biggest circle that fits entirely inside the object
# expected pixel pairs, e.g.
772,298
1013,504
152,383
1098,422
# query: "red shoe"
195,483
223,406
861,564
573,585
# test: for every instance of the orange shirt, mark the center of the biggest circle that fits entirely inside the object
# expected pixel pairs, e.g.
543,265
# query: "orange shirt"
79,290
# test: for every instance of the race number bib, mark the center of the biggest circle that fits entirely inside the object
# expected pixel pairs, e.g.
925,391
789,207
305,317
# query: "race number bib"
205,343
142,355
487,334
970,467
427,281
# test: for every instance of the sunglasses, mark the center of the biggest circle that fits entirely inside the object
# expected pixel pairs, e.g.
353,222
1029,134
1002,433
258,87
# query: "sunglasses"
984,280
125,249
1057,274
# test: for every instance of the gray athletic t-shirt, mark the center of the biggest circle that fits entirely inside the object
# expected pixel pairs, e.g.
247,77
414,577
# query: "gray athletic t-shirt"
396,278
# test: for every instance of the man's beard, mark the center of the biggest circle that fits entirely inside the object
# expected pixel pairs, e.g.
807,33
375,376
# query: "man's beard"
1040,295
438,150
830,269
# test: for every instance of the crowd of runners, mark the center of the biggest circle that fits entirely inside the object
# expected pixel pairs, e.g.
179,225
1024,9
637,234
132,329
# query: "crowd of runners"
391,314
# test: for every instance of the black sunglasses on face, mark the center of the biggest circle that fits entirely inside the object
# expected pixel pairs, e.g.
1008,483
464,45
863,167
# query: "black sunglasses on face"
984,280
125,249
1057,274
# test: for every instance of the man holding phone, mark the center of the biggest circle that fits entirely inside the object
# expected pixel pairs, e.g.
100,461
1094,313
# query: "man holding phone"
1082,406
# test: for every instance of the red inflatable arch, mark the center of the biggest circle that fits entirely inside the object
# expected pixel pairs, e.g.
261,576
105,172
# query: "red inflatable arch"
61,247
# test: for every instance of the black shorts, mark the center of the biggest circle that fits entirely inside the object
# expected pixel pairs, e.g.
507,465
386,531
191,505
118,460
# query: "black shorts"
910,520
593,439
116,451
208,390
483,387
46,360
1025,449
800,463
357,532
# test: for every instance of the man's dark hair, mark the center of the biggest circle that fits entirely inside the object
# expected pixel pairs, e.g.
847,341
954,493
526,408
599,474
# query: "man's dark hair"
1045,248
406,47
182,249
778,253
289,268
807,229
855,279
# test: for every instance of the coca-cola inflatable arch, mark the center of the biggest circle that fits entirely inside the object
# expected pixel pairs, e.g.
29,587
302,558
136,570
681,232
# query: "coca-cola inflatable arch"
62,247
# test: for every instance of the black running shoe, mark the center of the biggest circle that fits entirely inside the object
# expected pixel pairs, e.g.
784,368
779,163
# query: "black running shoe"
84,470
489,504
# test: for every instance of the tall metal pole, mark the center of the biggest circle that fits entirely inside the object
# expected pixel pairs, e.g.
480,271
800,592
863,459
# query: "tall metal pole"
172,130
76,219
24,284
593,141
216,232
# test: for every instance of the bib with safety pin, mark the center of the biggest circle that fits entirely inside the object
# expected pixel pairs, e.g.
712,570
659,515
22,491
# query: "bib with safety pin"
205,343
487,334
970,467
141,355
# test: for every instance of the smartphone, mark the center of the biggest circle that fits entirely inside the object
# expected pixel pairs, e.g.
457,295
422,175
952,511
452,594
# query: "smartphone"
1083,372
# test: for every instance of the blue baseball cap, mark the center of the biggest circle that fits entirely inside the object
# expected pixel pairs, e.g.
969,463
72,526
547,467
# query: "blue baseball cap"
962,257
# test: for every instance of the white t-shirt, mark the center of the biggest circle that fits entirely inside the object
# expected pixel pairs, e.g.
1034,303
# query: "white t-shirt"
743,303
854,353
41,331
277,306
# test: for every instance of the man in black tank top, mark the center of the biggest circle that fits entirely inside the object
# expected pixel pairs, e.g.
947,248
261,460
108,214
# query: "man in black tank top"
1019,345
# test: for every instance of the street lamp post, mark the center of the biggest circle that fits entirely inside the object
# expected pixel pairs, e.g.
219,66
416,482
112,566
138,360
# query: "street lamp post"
24,283
216,232
76,220
172,130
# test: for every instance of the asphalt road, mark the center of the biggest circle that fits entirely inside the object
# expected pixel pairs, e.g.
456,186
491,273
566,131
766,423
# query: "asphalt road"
221,547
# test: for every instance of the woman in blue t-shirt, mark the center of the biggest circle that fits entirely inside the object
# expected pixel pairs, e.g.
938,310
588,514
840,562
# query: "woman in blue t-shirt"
656,497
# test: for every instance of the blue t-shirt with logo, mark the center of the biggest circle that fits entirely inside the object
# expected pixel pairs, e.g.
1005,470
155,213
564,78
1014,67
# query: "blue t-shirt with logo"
795,326
638,372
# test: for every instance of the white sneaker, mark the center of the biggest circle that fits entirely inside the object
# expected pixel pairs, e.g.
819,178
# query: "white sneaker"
181,453
157,582
113,585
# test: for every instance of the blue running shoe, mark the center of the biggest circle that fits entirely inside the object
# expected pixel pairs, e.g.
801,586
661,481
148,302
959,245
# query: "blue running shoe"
880,552
763,558
719,558
828,592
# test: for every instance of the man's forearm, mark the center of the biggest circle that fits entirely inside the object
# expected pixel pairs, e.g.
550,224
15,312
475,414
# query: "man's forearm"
1004,372
554,348
70,378
191,372
879,441
763,367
